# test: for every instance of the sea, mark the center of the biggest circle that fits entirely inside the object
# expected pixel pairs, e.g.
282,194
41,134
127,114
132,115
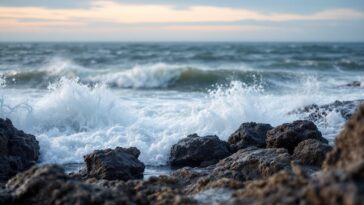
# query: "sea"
79,97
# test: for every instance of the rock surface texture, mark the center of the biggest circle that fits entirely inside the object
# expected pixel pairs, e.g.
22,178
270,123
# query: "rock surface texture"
252,163
250,134
50,185
288,135
311,152
197,151
349,145
114,164
18,150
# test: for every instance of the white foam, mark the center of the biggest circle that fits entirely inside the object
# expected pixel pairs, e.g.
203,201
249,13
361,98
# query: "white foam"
72,119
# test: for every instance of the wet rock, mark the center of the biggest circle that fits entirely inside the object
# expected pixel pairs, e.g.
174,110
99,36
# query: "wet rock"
18,150
50,185
311,152
115,164
252,163
354,84
288,135
250,134
195,151
318,113
349,145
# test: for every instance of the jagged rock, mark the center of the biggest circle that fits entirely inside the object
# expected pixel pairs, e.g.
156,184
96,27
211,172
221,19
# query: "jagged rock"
18,150
354,84
155,190
349,145
288,135
252,163
115,164
311,152
250,134
195,151
206,183
318,113
187,175
50,185
335,187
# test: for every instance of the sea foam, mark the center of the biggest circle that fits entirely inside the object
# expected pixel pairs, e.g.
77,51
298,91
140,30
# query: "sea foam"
72,119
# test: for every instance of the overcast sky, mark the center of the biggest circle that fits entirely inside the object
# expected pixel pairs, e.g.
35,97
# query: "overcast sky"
184,20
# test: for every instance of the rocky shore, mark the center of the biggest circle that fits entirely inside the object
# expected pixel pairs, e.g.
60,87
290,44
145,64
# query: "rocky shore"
259,164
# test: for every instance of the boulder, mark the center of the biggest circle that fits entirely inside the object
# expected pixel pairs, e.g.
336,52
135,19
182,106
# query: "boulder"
288,135
252,163
349,145
195,151
311,152
50,185
250,134
114,164
18,150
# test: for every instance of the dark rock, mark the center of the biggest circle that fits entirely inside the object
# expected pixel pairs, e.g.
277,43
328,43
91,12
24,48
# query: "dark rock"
311,152
318,113
349,145
50,185
354,84
196,151
18,150
252,163
288,135
250,134
115,164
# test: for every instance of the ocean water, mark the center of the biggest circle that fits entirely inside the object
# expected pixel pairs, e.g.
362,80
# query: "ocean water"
78,97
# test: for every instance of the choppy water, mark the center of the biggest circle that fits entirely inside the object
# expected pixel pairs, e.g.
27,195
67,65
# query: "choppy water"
77,97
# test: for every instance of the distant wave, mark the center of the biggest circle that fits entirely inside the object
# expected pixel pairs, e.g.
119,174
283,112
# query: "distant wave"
156,76
159,75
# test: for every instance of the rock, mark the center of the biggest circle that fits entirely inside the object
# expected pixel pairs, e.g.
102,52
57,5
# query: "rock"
282,188
252,163
311,152
18,150
187,175
319,113
288,135
250,134
195,150
206,183
349,145
155,190
115,164
50,185
335,187
354,84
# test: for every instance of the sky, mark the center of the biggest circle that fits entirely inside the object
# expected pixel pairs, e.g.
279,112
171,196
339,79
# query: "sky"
184,20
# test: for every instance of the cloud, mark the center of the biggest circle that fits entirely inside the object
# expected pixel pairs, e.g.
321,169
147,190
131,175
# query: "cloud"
113,12
128,21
